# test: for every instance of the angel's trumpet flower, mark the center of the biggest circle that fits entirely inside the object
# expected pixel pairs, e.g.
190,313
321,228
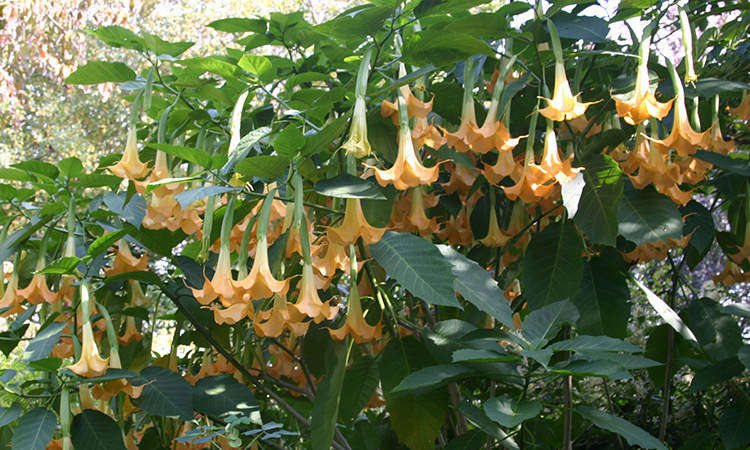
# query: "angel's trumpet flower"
130,166
358,145
90,364
354,226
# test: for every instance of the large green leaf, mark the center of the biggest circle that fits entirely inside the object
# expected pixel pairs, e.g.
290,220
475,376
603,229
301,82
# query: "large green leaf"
357,23
102,244
597,368
441,48
595,344
11,243
544,324
476,285
34,430
240,152
191,154
432,377
223,394
604,300
213,65
634,435
348,186
588,28
509,412
360,381
264,166
734,425
627,362
161,47
744,356
472,440
553,265
648,216
188,197
600,199
717,373
255,64
44,342
417,420
45,169
11,413
725,162
479,419
668,314
432,7
718,333
94,430
239,25
325,137
118,37
96,72
165,393
290,140
325,411
418,266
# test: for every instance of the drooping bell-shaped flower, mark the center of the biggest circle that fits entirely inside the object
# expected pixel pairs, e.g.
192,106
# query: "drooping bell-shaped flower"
356,326
37,291
358,145
309,302
532,182
280,317
354,226
90,364
551,162
125,261
563,105
642,104
743,109
495,236
10,299
683,139
130,166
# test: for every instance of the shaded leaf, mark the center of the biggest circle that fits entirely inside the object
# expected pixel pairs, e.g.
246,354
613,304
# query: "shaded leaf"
190,154
634,435
239,25
348,186
219,395
441,48
240,152
588,28
509,412
360,381
595,344
604,300
264,166
165,393
597,209
648,216
94,430
44,342
325,137
325,410
717,373
432,377
11,413
479,419
544,324
716,332
734,425
35,430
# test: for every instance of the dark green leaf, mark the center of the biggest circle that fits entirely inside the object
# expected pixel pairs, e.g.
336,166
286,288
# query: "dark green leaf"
96,72
648,216
737,165
479,25
94,430
588,28
35,430
544,324
718,333
708,87
595,344
45,364
734,425
188,197
239,25
219,395
699,223
360,381
744,356
509,412
247,142
478,287
596,368
10,244
717,373
95,180
191,154
441,48
326,404
702,440
432,7
265,166
62,266
604,300
348,186
357,23
325,137
634,435
139,275
429,378
627,362
165,393
11,413
479,419
44,342
597,209
418,266
553,266
472,440
42,168
103,243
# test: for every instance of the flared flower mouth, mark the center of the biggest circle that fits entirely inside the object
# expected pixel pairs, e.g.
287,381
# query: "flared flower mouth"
563,105
130,166
358,145
91,364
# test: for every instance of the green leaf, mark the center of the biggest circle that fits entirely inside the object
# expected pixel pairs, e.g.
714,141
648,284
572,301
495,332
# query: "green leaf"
479,419
668,314
100,245
71,167
597,368
348,186
702,440
417,420
429,378
10,244
220,395
634,435
588,28
165,393
96,72
718,333
481,355
597,210
479,25
360,381
11,413
167,181
289,141
256,65
325,410
39,167
35,430
717,373
96,180
736,165
191,154
509,412
302,78
648,216
604,300
418,266
265,166
441,48
708,87
63,266
699,223
6,173
553,266
188,197
239,25
161,47
478,287
737,309
544,324
94,430
734,425
213,65
406,79
240,152
118,37
472,440
744,356
46,364
325,137
44,342
356,23
595,344
432,7
627,362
